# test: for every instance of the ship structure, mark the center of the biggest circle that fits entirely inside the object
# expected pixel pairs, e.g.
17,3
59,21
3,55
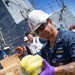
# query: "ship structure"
14,25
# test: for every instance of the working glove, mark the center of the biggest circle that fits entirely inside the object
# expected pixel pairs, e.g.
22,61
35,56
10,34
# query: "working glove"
48,69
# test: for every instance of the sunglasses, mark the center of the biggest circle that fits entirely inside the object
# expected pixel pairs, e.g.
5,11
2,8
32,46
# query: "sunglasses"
41,27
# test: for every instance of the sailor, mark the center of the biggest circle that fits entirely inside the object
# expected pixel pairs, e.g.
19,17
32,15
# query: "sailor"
34,43
72,28
59,51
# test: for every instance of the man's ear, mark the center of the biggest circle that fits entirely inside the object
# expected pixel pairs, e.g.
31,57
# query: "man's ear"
50,20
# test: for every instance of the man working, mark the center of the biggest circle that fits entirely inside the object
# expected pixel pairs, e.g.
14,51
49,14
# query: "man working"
59,51
34,43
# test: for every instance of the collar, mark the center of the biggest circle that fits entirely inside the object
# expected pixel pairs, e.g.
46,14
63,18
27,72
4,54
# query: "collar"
59,35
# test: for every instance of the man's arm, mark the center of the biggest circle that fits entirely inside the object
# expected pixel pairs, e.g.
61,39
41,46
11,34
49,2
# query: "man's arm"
68,69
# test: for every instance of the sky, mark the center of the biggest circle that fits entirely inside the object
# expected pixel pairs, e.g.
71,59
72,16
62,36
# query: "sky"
50,6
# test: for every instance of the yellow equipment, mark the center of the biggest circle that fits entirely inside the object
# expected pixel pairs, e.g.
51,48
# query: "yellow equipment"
31,64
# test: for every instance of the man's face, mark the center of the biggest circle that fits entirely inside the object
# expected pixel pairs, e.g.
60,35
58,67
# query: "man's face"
45,30
30,37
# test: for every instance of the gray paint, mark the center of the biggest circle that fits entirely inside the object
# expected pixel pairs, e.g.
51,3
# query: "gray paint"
12,32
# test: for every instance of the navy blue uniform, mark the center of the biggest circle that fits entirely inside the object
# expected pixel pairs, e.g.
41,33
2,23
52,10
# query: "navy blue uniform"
64,49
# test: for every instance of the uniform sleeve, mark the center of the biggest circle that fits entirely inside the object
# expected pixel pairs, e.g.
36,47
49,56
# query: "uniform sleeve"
71,46
42,52
42,40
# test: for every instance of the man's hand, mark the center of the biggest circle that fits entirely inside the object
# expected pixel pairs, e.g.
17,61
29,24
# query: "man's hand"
48,69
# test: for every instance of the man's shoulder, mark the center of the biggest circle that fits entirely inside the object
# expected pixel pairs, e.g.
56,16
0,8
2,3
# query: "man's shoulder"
66,34
36,37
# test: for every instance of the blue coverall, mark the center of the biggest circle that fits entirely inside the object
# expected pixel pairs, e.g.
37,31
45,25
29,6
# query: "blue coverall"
63,51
